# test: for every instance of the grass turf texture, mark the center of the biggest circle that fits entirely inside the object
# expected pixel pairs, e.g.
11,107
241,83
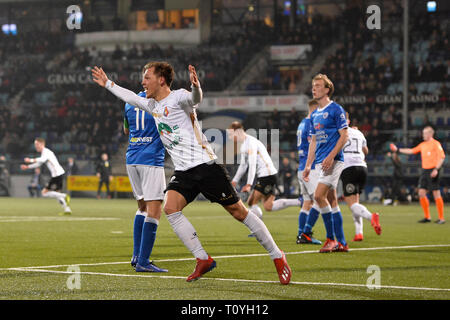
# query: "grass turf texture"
99,234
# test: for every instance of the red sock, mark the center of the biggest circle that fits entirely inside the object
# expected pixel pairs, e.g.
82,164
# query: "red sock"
440,207
425,206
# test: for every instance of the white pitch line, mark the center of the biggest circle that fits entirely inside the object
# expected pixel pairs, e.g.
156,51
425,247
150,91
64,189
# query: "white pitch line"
230,280
51,218
227,256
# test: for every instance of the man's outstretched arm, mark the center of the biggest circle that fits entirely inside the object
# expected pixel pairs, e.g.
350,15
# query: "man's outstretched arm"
100,77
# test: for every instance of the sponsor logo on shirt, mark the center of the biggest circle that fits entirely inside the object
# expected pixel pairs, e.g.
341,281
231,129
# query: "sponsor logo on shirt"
141,139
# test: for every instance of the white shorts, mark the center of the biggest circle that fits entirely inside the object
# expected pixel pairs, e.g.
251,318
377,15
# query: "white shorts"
331,177
148,182
307,188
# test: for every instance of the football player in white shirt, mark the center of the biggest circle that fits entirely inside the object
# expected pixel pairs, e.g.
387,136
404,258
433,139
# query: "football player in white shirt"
54,186
256,159
354,178
195,168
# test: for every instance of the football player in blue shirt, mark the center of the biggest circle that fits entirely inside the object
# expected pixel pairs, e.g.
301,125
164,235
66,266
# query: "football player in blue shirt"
145,167
307,188
329,135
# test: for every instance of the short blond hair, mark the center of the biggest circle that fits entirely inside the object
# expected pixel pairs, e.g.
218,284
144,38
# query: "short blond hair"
327,82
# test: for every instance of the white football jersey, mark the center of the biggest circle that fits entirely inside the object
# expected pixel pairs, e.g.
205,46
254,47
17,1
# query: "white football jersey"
49,158
353,154
255,157
176,120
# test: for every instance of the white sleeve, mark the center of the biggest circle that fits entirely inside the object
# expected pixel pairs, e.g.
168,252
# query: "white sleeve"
241,170
252,159
38,161
130,97
190,99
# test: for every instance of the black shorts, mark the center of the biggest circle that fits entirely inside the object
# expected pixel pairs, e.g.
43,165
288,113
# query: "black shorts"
353,180
428,183
266,185
56,183
211,180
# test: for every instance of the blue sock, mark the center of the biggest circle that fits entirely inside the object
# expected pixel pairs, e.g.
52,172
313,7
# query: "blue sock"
328,221
137,233
311,221
148,240
302,217
338,227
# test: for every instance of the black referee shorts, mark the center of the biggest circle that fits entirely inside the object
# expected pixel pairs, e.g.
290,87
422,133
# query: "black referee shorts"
428,183
211,180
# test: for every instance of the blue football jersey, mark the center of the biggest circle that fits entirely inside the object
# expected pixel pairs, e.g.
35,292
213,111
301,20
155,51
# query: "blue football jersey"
144,144
326,124
303,141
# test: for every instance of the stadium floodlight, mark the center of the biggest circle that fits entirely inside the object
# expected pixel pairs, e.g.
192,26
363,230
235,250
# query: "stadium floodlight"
9,29
5,28
431,6
13,29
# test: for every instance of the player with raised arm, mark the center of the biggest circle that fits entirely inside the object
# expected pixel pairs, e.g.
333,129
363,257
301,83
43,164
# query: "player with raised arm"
256,159
145,168
433,157
54,186
329,135
307,188
196,170
354,178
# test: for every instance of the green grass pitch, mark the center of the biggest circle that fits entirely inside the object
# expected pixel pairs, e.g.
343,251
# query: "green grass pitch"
38,250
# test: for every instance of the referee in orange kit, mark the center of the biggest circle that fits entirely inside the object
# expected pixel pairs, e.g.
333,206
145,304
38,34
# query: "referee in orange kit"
433,157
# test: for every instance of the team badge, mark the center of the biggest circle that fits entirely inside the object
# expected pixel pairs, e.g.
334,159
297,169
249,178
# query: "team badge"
166,112
350,188
325,115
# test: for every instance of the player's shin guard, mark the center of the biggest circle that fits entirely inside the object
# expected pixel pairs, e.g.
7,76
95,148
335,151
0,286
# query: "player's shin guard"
137,231
187,234
58,196
425,207
284,203
312,218
338,226
328,221
302,217
359,210
262,234
256,210
148,240
440,207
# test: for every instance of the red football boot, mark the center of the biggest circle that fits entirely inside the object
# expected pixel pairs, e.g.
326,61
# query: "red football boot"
328,246
376,222
340,248
358,237
283,269
202,267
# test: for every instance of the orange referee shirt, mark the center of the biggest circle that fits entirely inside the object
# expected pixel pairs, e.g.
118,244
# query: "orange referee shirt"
430,151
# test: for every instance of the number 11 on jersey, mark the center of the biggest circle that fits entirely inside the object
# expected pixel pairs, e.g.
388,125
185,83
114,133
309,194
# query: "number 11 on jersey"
142,119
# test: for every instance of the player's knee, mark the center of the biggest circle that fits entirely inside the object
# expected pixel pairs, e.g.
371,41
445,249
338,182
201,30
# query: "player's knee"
318,199
169,209
237,210
422,193
268,205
